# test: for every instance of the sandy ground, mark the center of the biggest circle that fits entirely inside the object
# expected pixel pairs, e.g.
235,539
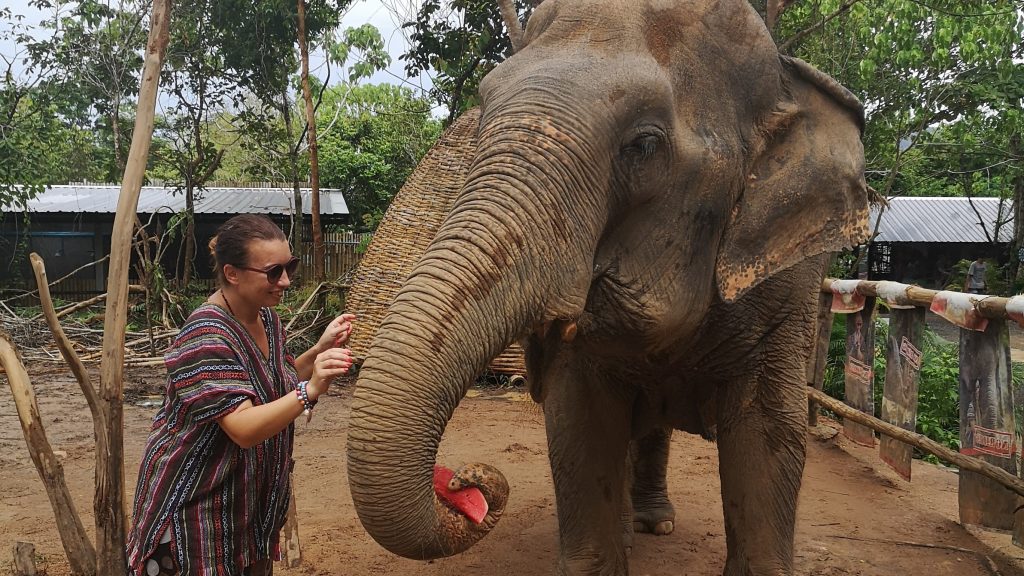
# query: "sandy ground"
856,517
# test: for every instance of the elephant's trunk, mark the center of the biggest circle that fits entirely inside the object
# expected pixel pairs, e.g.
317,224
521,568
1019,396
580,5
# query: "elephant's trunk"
488,277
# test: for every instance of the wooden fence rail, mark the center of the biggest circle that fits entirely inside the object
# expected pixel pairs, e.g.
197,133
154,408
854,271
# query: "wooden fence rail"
990,455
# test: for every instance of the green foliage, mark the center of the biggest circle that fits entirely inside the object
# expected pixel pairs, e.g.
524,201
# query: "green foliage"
942,83
994,280
461,41
938,397
375,136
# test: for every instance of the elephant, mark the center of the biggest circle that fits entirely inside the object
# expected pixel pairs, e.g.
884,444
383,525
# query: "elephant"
649,213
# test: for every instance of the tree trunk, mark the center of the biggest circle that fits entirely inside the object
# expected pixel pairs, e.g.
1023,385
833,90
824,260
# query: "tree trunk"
511,18
1018,216
24,559
314,169
190,236
115,127
109,505
295,232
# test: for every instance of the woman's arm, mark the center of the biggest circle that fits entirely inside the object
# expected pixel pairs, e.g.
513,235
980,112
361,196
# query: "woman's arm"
248,425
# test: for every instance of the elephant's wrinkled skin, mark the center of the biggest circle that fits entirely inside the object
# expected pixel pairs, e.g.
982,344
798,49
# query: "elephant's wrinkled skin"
648,212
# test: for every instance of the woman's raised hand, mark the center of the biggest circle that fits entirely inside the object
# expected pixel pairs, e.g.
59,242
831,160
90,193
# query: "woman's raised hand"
328,365
336,333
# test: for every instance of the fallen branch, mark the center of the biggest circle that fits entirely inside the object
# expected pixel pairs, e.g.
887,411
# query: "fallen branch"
94,300
79,549
61,339
306,304
920,442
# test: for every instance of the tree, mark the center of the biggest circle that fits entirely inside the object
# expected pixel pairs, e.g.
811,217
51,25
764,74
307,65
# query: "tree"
98,55
257,41
941,82
378,136
199,87
461,41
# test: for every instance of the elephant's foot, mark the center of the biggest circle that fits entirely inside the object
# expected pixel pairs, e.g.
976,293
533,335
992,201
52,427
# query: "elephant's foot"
627,532
592,563
746,567
654,516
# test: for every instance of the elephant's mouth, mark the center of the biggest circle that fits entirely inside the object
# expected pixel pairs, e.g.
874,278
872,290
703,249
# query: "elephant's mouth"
624,307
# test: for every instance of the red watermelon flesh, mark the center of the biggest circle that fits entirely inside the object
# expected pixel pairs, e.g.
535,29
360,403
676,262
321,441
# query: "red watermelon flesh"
470,501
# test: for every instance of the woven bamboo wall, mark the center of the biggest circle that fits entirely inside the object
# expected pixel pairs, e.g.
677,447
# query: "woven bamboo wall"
407,229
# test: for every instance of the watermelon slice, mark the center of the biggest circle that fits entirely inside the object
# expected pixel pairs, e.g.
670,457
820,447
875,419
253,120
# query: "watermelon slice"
470,501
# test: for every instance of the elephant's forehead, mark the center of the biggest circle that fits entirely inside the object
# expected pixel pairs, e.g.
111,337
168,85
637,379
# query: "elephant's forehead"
666,29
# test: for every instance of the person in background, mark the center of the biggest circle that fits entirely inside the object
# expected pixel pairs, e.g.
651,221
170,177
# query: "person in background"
975,281
214,481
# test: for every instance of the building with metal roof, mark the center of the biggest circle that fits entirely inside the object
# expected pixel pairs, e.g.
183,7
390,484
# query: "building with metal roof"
920,240
945,220
70,226
102,199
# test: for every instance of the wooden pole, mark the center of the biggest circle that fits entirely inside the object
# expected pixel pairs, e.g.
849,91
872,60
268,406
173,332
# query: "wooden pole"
77,546
24,559
987,306
923,443
109,504
314,157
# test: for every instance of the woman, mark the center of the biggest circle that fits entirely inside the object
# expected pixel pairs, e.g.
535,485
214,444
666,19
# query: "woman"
213,485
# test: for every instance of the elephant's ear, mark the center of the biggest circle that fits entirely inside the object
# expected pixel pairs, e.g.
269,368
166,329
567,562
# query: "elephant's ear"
805,192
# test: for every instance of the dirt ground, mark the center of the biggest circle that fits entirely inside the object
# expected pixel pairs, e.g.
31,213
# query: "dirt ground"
856,517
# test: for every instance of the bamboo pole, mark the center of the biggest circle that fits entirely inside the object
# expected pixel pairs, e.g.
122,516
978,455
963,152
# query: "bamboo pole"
923,443
109,504
79,549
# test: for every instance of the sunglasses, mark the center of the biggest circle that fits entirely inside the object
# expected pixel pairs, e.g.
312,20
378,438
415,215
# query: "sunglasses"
274,272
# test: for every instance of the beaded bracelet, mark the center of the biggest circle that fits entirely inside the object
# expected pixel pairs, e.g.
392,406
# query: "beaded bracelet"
303,396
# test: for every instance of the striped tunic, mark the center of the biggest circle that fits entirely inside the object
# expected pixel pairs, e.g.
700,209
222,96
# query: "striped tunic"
223,505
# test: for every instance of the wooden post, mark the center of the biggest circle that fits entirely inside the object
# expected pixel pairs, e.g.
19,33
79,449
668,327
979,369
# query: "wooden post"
291,551
986,424
24,559
819,356
79,549
859,370
109,504
899,397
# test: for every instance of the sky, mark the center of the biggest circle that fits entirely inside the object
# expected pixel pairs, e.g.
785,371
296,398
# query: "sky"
386,15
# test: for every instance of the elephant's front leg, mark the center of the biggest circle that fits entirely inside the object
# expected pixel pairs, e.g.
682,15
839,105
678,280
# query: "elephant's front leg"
588,423
761,447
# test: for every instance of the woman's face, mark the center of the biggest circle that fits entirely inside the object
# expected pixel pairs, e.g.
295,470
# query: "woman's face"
254,285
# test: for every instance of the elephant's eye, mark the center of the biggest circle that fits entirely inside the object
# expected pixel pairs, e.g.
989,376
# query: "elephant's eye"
643,145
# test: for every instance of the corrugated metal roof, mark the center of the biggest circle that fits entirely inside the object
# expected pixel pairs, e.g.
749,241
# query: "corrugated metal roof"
937,219
103,199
